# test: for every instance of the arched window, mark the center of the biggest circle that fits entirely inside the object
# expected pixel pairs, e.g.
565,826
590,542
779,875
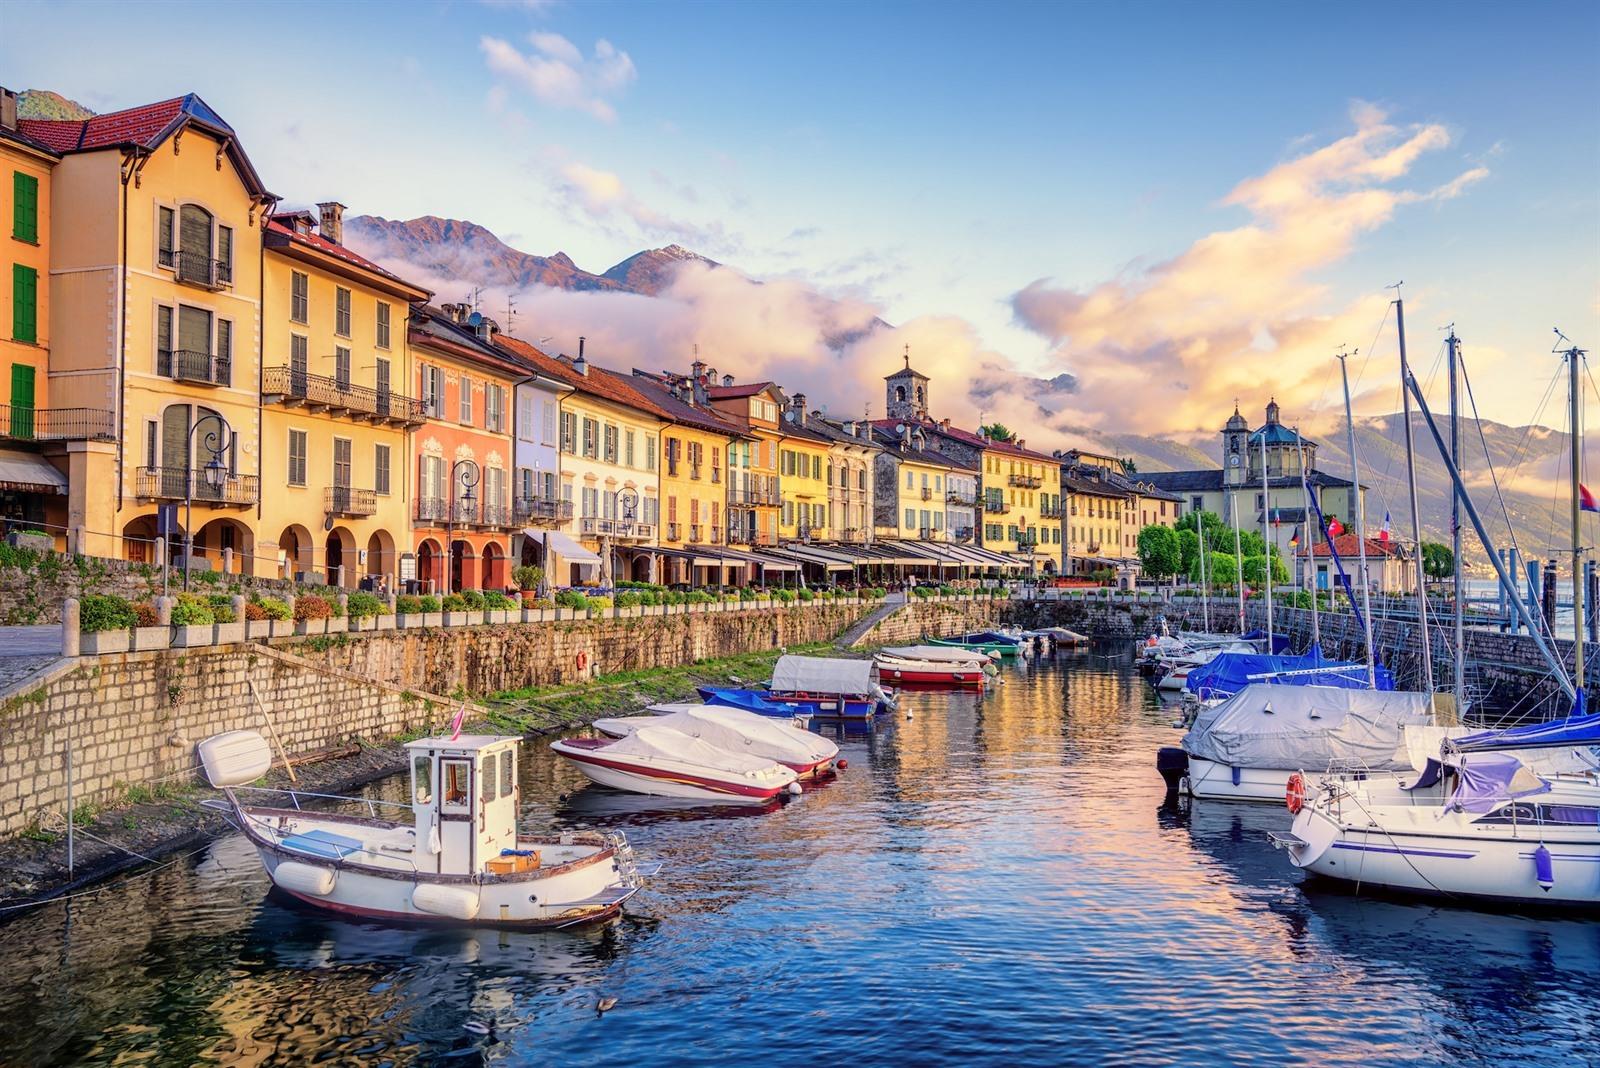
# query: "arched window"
920,398
900,394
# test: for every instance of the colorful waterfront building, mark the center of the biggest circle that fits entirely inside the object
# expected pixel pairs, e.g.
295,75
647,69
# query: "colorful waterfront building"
537,505
754,502
462,452
910,485
852,458
155,253
336,406
802,476
1028,484
39,438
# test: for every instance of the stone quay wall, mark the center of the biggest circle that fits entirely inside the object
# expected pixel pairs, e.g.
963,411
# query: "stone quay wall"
33,584
935,618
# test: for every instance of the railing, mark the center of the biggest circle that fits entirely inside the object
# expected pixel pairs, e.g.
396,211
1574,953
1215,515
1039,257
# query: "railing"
853,534
962,533
1050,511
187,365
189,483
927,494
740,536
695,530
432,510
287,385
930,534
495,514
694,471
716,535
55,424
1023,481
542,509
1027,541
959,497
744,495
346,500
616,528
463,512
199,269
995,507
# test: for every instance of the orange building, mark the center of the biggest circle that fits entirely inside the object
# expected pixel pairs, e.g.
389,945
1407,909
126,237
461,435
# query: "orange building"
463,453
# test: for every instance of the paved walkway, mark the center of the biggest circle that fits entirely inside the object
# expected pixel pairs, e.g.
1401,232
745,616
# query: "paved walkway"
891,604
26,650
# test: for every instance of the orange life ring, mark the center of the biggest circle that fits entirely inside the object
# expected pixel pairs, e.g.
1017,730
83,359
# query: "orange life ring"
583,661
1294,795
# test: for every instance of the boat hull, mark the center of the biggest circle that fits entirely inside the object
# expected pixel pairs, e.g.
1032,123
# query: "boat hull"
666,781
786,706
1007,649
1213,781
972,678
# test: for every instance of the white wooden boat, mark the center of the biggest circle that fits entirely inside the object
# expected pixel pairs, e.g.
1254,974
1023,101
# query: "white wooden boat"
738,731
915,671
667,763
457,858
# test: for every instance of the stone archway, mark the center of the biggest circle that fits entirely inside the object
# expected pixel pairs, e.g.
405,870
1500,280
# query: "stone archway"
495,575
212,542
339,557
139,542
430,565
381,558
296,551
463,566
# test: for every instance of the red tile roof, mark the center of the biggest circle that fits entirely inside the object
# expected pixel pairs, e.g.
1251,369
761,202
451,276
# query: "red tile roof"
1349,547
278,233
141,125
978,440
748,389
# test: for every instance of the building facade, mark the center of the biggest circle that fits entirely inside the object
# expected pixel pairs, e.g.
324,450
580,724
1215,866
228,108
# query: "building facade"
852,464
754,503
910,486
802,477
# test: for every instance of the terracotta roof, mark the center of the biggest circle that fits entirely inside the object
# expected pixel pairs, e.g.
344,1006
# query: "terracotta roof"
1349,547
747,389
601,382
890,443
683,413
20,138
278,234
970,438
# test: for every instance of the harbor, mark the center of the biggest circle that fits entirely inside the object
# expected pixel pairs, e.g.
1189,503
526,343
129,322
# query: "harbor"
994,877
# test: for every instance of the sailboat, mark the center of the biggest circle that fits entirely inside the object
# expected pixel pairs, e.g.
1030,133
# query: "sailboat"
1478,821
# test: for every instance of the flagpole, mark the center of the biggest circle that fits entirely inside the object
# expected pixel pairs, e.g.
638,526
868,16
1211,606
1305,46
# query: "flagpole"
1205,592
1238,558
1416,511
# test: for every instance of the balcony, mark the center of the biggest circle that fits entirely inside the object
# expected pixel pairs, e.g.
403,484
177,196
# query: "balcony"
1024,481
186,483
319,393
930,533
753,496
347,501
187,365
696,532
853,535
1027,541
995,507
597,527
960,497
1050,511
927,494
542,510
694,471
962,533
434,510
199,269
55,424
495,515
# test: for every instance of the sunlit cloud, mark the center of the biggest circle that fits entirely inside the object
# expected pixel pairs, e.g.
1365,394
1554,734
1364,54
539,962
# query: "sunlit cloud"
558,75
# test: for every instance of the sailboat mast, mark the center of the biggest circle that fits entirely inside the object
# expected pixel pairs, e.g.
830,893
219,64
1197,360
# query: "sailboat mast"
1205,591
1310,546
1266,537
1455,529
1361,524
1238,558
1573,356
1416,512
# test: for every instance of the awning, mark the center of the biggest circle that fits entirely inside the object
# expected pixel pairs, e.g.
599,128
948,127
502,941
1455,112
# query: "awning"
563,546
30,474
744,556
807,555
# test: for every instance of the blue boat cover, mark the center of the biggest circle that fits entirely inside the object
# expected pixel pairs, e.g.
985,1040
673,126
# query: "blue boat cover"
991,636
1280,642
320,843
1228,673
1488,780
1577,729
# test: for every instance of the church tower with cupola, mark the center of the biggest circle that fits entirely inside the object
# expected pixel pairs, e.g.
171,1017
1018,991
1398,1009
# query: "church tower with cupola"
1235,444
906,392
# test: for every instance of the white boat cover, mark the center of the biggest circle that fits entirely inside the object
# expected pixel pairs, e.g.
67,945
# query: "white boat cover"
1308,727
653,744
1419,744
821,674
736,731
945,653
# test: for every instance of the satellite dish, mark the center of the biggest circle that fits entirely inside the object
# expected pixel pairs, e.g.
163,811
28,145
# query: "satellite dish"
475,319
900,428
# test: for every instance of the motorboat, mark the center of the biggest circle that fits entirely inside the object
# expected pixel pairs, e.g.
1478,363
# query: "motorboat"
766,703
1061,637
738,731
1246,747
984,641
925,671
1175,670
1476,822
1227,673
458,858
801,720
822,687
668,763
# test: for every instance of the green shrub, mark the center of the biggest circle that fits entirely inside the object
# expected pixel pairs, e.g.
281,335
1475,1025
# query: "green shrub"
783,595
192,610
104,611
527,577
671,597
364,605
408,604
599,604
571,599
473,598
629,599
275,608
221,607
542,602
310,606
454,602
497,599
804,595
431,603
649,597
205,578
698,597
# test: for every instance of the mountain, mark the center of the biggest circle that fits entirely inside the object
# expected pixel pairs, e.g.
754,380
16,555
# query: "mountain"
651,271
466,250
43,104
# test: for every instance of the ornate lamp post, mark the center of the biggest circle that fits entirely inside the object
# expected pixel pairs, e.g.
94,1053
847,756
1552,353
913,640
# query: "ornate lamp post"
466,474
627,512
217,443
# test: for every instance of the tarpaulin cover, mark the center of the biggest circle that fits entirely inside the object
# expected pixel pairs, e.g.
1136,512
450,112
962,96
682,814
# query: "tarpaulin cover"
1489,779
1575,730
1229,673
1307,727
819,674
1280,642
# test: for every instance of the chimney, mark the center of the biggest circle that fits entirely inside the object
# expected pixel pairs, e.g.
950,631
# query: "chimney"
727,380
487,328
697,368
711,376
698,391
331,226
799,403
1022,443
8,108
581,365
944,424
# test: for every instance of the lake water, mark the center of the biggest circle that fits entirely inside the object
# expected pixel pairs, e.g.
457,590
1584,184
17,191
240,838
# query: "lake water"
993,881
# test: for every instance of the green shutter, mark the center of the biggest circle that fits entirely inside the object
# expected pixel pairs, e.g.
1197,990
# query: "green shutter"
24,303
21,400
25,207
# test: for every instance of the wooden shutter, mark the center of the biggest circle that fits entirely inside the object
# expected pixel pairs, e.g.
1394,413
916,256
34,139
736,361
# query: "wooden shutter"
380,468
225,254
24,303
25,207
22,400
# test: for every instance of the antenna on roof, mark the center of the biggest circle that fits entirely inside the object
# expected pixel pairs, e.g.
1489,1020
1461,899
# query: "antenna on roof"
477,295
511,310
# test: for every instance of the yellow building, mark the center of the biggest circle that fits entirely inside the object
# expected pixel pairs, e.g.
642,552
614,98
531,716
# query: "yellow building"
754,503
335,407
911,485
802,477
1022,504
156,216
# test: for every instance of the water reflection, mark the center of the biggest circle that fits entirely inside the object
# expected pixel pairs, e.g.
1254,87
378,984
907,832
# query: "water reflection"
994,880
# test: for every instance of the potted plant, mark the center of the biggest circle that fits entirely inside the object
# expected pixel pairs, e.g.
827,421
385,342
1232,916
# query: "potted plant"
311,614
148,632
456,613
267,617
362,610
193,621
105,624
497,607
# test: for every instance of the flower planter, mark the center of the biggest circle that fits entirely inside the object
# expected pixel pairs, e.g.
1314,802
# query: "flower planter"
229,633
39,543
256,629
101,642
497,615
433,619
462,618
191,637
305,627
338,626
383,622
149,638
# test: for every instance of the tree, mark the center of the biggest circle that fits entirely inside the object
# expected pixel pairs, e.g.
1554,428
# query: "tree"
998,432
1438,562
1221,571
1160,552
1189,546
1218,535
1255,574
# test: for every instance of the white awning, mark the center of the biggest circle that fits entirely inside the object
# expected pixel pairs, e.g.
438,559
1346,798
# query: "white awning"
563,546
30,473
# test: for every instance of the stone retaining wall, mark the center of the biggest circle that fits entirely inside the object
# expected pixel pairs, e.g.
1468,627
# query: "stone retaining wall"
33,584
934,618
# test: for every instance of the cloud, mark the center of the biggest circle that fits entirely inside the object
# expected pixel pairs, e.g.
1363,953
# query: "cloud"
556,73
605,198
1171,345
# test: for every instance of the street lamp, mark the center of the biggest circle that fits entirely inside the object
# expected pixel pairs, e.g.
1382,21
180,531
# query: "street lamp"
467,479
627,512
217,443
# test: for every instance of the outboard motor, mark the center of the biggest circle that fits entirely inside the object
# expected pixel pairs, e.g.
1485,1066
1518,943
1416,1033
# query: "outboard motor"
1173,764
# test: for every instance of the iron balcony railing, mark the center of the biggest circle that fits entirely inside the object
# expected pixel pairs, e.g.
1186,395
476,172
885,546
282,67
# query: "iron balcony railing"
854,535
995,507
21,423
1024,481
694,471
347,500
188,365
464,512
959,497
695,530
740,535
753,495
432,510
1027,541
962,533
674,531
199,269
542,510
495,514
190,483
288,385
1050,511
716,535
927,494
615,528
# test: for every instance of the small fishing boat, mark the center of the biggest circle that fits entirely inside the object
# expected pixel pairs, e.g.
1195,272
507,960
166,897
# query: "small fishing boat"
458,858
668,763
982,641
822,687
738,731
934,666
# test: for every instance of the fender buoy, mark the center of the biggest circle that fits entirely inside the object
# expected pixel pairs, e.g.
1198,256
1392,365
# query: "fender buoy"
1294,795
583,661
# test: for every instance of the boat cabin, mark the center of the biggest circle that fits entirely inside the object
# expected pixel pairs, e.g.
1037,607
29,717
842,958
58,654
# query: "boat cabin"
465,797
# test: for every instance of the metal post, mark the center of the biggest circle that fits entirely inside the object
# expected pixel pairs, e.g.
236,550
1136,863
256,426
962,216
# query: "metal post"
1455,530
1361,523
1310,546
1266,534
1238,558
1500,598
1576,438
1416,511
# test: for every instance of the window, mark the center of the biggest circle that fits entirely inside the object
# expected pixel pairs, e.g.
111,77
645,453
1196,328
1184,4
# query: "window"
569,432
380,469
225,254
24,303
526,427
152,439
494,407
911,518
166,235
422,779
380,372
432,391
383,325
649,453
672,456
341,311
548,422
341,367
297,457
591,438
163,338
508,773
487,778
611,444
591,501
627,448
816,468
457,776
464,399
299,297
25,207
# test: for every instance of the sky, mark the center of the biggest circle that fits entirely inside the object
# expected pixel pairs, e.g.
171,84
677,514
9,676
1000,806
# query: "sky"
1082,218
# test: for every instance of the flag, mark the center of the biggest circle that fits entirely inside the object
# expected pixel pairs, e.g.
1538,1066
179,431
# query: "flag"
1334,527
1294,539
1383,531
1277,518
455,724
1586,499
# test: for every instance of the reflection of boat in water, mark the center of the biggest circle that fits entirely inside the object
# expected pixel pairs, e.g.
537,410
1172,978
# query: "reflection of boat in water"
612,807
